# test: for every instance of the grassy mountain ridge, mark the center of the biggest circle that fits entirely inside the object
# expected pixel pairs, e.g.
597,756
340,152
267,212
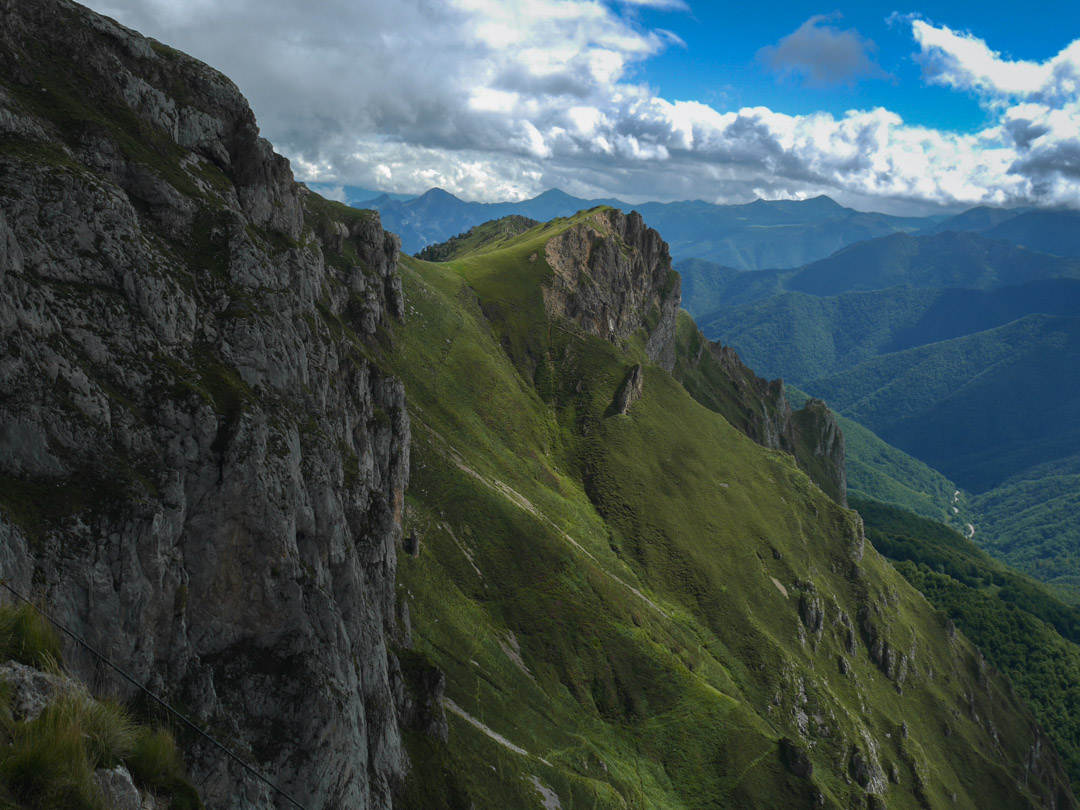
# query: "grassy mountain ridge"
976,383
636,609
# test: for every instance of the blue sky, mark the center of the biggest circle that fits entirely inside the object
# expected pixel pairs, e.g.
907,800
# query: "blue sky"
899,109
719,63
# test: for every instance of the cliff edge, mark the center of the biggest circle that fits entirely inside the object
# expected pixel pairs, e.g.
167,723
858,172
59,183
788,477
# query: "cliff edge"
202,467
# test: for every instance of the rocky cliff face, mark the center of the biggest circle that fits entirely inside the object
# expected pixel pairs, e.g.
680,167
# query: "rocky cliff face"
821,447
201,467
612,277
715,376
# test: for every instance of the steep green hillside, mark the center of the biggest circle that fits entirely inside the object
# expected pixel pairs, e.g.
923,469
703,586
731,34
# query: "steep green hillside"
981,408
1032,521
979,383
715,376
1023,629
635,605
487,235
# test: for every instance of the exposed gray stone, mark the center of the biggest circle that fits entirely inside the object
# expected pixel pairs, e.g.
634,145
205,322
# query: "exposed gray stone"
32,690
612,274
630,389
221,468
117,788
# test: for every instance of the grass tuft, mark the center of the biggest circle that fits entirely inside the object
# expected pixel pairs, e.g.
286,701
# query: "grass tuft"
28,638
46,763
156,765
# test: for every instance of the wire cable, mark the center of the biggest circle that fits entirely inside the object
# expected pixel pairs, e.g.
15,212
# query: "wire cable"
190,724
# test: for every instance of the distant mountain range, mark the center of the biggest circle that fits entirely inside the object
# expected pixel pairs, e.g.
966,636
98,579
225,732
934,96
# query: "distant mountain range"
1056,232
777,233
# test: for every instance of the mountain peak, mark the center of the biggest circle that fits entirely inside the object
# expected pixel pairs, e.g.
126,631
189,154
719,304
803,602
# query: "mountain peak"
437,194
554,195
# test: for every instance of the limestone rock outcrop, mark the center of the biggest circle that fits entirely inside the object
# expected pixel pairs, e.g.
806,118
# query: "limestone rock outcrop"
202,464
716,377
612,276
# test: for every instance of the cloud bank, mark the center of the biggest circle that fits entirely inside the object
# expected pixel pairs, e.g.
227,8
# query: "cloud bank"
497,99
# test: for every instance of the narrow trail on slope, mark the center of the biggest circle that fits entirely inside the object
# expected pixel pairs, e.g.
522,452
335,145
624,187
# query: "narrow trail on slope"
525,505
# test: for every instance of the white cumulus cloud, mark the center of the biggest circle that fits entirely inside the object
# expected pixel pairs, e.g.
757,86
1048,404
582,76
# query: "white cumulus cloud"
500,99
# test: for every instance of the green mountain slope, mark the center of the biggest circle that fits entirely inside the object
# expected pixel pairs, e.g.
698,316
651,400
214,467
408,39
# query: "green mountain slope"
977,382
981,408
634,604
715,376
1032,521
1023,630
799,336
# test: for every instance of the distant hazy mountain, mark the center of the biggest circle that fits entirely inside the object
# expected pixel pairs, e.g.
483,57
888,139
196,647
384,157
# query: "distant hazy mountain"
353,195
1056,232
801,337
980,218
768,234
952,259
777,233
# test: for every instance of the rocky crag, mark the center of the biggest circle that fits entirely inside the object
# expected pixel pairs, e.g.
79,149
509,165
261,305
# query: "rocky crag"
201,468
716,377
612,276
